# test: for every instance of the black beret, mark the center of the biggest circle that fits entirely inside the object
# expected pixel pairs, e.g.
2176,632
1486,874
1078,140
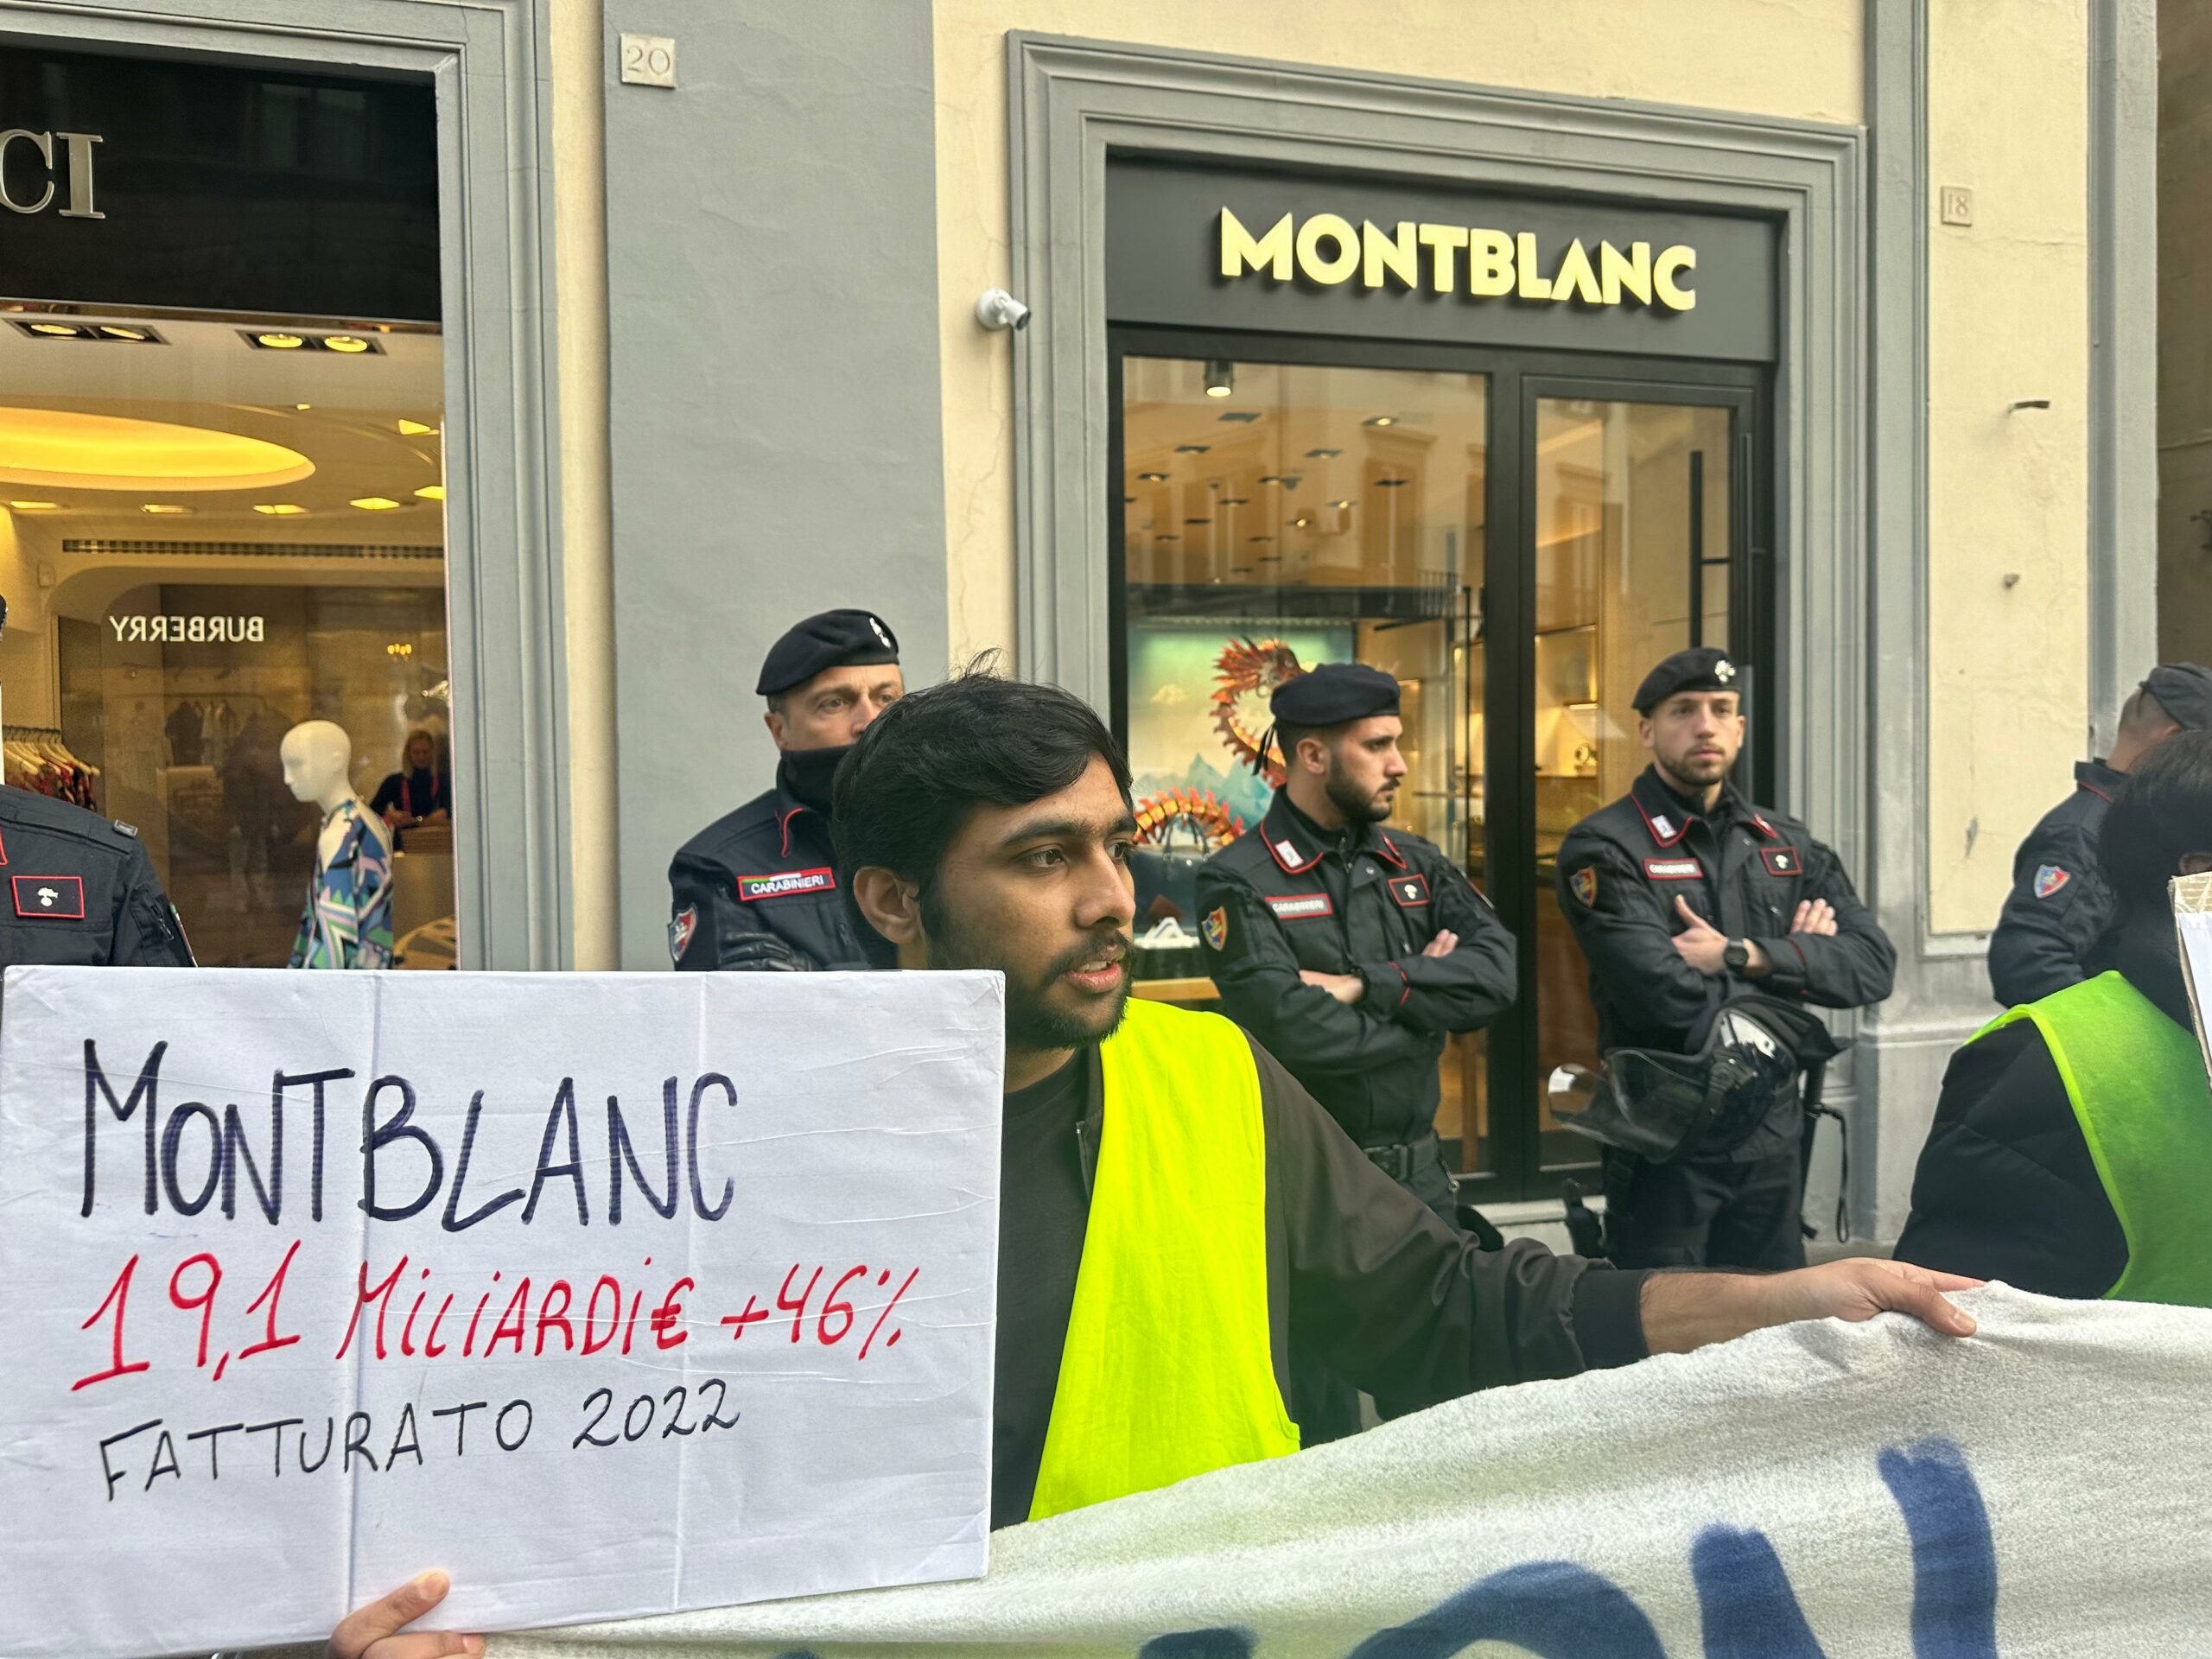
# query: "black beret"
1701,668
1333,693
2183,691
833,640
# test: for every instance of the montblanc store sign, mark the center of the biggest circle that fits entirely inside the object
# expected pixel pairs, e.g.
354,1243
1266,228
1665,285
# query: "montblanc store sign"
1328,249
1191,245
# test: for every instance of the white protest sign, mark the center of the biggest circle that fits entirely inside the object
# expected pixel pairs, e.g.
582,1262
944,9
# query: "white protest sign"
1817,1492
608,1294
2192,897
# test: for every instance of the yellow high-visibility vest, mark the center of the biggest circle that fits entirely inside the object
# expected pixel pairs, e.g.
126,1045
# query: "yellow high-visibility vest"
1167,1370
2138,1085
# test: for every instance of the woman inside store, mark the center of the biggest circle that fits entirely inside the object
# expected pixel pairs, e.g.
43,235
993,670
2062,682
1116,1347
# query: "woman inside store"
421,792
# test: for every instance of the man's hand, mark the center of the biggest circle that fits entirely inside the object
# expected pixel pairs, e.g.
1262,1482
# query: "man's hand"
1699,944
1347,988
374,1631
1815,916
1442,945
1682,1311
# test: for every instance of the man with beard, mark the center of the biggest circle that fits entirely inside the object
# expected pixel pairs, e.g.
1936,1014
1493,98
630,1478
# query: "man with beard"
1174,1209
1685,897
757,888
1349,950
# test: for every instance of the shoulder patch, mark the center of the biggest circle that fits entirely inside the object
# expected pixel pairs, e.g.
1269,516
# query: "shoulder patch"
1214,930
2049,879
123,829
680,930
786,883
1583,884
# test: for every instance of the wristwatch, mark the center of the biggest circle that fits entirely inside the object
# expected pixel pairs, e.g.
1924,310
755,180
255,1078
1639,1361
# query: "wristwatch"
1736,957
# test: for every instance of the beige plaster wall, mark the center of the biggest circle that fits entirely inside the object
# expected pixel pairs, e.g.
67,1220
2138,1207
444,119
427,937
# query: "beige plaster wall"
2008,493
579,96
2184,331
1799,58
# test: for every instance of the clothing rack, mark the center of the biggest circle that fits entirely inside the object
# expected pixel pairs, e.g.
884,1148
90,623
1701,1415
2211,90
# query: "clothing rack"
36,759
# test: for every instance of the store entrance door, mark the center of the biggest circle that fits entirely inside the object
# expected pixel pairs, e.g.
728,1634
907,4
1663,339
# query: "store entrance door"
1517,537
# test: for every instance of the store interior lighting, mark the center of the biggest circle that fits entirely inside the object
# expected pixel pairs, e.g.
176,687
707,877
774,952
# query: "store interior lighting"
279,509
431,492
373,502
163,508
1221,377
54,449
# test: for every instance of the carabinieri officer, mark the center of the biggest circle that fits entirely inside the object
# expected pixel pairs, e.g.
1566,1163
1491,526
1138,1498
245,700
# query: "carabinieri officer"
1349,950
1684,896
757,888
77,890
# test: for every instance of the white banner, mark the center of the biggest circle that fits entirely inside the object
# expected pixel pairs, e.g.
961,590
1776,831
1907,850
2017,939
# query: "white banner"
1865,1491
612,1293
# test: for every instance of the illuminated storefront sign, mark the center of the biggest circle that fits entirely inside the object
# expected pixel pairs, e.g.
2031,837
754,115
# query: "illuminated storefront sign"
192,630
1328,249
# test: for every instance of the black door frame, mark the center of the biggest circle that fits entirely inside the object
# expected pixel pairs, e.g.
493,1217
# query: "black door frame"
1516,379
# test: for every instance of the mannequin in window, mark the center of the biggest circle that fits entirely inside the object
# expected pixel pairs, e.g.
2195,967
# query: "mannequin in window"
346,922
421,792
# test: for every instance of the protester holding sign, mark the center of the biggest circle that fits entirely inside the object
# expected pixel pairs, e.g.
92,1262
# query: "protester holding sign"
2072,1148
1176,1209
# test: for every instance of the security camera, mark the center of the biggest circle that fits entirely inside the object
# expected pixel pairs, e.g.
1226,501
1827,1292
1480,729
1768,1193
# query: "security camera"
999,309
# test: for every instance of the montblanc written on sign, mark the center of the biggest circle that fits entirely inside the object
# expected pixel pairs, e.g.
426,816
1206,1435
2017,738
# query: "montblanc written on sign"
188,629
1328,249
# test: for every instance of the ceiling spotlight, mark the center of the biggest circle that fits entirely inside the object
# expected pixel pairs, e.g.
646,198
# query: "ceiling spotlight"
1392,483
1153,477
56,330
1197,521
35,506
347,343
431,492
1302,521
1221,377
164,507
1262,538
373,502
303,408
279,342
1168,538
1235,500
1192,449
413,428
1380,420
1323,455
1340,505
1239,417
279,509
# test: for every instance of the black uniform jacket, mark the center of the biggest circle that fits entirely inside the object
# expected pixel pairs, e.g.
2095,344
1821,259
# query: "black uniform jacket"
1744,869
77,890
1360,1273
2006,1188
1287,896
757,888
2059,903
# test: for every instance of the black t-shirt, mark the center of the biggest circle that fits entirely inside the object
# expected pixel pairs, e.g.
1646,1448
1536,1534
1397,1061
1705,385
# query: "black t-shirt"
418,792
1043,1212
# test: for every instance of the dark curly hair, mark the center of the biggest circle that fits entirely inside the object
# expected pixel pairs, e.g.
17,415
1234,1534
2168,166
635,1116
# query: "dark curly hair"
934,756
